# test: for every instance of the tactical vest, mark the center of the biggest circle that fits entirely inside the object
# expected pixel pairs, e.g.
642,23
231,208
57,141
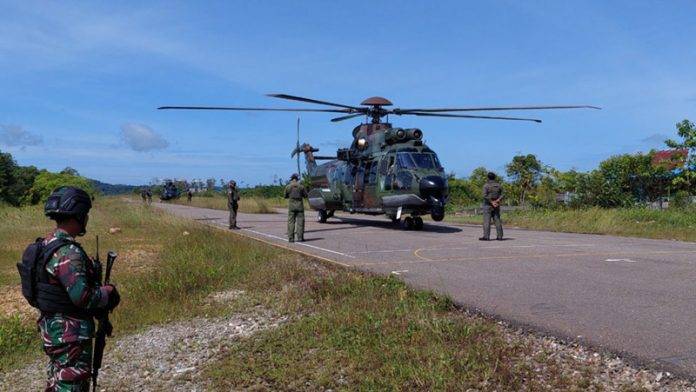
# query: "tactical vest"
37,290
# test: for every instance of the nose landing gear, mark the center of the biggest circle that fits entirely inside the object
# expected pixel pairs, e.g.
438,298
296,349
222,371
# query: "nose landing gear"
412,223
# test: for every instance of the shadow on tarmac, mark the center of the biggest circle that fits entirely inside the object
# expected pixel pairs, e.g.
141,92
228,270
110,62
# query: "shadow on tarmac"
389,225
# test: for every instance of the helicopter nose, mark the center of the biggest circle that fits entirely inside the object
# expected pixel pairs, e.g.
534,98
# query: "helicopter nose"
433,186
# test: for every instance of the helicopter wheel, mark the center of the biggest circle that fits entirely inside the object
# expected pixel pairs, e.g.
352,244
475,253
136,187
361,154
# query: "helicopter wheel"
322,216
418,223
408,223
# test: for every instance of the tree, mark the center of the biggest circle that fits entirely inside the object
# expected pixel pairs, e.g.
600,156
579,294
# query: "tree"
525,172
46,182
687,178
70,171
210,184
7,179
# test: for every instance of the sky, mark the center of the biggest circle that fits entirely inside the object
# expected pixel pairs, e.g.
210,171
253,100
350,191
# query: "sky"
80,81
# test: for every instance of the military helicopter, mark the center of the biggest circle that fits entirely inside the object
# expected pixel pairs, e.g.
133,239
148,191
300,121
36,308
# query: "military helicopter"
386,170
169,191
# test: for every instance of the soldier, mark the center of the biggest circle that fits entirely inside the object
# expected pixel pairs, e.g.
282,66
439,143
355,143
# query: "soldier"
68,293
143,195
189,195
233,203
492,196
296,193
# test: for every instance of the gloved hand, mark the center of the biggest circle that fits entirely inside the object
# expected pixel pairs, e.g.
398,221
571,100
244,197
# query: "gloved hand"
113,297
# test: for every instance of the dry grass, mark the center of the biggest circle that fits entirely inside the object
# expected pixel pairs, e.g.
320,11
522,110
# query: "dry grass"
629,222
247,205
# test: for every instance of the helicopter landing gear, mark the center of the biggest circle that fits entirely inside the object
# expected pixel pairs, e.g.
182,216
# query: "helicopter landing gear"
412,223
418,223
407,223
322,216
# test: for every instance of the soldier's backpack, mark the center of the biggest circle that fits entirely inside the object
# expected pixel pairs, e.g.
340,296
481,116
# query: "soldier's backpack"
31,268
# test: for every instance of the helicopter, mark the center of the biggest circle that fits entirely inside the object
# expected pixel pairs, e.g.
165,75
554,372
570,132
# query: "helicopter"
386,170
169,191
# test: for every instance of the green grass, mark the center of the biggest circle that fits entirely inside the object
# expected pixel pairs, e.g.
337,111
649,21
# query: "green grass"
629,222
161,273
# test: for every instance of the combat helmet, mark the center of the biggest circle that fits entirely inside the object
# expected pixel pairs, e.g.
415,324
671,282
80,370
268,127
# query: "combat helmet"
69,202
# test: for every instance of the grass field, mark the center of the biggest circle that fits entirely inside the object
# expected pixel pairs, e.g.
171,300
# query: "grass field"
347,330
630,222
248,205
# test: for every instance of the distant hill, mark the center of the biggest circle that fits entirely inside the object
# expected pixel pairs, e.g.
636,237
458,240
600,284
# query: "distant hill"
112,189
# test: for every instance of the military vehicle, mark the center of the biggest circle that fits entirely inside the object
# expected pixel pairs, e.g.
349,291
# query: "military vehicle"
386,170
169,191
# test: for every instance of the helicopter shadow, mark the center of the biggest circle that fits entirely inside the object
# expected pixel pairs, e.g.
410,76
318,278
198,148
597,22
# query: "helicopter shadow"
388,225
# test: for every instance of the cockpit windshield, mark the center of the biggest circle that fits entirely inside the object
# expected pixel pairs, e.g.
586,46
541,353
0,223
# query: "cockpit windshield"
417,160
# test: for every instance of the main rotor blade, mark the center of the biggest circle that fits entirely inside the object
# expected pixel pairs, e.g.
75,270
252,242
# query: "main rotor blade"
468,116
337,119
301,99
439,110
251,109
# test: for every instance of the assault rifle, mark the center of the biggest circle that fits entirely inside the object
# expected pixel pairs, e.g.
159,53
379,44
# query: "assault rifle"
105,327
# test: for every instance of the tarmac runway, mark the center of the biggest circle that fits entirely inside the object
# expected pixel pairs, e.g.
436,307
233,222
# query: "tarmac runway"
634,297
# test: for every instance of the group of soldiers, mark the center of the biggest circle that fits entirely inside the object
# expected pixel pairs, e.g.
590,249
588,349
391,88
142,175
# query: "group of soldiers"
65,283
295,192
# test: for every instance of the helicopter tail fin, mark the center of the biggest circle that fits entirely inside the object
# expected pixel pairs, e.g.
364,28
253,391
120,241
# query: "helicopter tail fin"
308,151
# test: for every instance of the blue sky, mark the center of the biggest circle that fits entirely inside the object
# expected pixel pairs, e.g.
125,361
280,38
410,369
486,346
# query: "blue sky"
80,82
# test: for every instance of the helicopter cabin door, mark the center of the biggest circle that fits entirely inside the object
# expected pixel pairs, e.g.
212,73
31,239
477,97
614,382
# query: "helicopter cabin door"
370,199
359,186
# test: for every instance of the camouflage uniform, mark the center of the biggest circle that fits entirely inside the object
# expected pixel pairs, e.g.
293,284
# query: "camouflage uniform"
296,193
67,339
491,191
233,205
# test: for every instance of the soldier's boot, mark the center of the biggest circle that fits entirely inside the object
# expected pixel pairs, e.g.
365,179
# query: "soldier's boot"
299,229
291,226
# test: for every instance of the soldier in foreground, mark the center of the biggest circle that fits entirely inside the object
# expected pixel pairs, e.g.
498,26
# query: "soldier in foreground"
233,203
492,196
66,288
295,192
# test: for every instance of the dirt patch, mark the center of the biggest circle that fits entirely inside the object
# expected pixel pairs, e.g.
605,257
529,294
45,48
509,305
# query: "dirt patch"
13,303
162,358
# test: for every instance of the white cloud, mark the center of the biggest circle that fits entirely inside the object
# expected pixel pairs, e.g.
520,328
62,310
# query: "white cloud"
140,137
15,135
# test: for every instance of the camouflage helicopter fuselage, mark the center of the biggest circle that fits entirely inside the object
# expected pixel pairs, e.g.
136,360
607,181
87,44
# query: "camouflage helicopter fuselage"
385,171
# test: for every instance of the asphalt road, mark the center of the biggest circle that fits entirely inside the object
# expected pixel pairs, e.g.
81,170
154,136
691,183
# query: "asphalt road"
635,297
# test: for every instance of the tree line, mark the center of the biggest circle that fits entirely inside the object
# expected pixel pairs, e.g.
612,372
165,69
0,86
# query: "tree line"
21,185
619,181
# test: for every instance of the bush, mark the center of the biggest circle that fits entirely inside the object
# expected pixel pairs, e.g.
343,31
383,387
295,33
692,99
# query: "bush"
681,199
46,182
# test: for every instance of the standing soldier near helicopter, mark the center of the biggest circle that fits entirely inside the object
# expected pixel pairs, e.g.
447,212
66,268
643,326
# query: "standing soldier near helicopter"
233,203
295,192
61,281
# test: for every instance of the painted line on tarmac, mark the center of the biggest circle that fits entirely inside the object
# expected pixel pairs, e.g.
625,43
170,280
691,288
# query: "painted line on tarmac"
423,259
299,243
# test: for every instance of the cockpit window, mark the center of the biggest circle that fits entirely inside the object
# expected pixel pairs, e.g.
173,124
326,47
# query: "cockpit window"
417,160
